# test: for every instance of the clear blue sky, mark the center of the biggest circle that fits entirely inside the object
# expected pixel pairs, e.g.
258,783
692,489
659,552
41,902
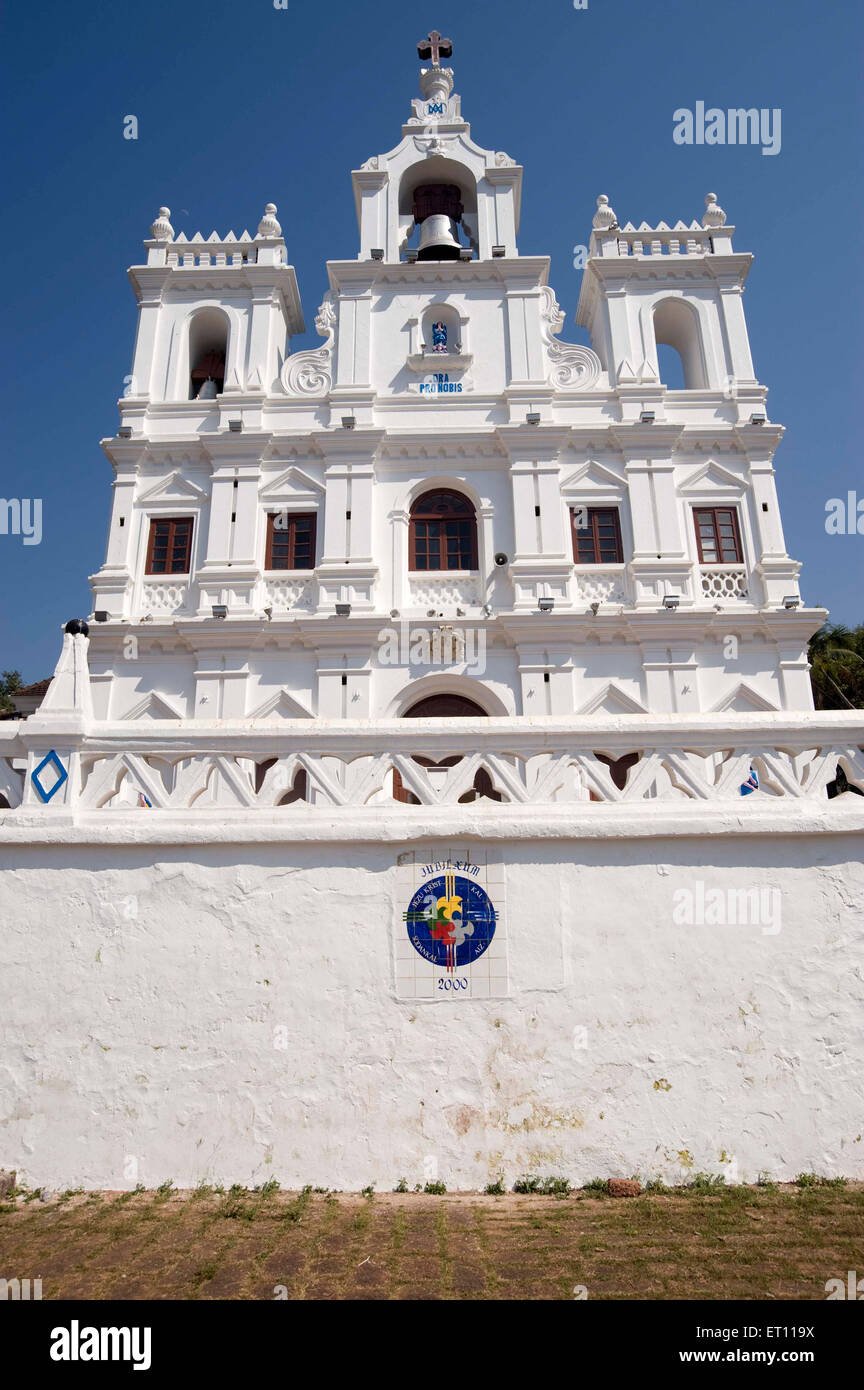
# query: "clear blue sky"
239,104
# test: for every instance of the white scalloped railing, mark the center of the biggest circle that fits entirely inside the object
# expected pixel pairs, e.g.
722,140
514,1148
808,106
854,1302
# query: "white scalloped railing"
531,762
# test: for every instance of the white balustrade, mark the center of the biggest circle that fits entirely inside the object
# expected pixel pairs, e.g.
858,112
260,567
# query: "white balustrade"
529,762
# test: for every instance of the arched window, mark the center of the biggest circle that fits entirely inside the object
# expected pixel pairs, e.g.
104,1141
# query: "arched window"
208,349
443,532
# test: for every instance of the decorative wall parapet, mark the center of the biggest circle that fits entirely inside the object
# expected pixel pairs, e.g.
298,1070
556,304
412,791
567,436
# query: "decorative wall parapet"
528,761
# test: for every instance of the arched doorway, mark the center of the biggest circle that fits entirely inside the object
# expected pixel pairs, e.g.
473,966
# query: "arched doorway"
446,706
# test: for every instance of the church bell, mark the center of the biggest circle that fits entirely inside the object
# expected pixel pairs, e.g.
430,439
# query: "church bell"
438,212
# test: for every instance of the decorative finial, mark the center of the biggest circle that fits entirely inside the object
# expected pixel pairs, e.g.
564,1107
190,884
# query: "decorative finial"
162,229
434,47
713,215
604,217
268,226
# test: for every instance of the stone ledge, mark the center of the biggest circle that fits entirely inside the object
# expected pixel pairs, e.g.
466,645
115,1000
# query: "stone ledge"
569,822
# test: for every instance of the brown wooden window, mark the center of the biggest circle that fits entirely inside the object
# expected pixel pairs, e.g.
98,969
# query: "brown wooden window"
443,533
291,541
718,536
598,540
169,550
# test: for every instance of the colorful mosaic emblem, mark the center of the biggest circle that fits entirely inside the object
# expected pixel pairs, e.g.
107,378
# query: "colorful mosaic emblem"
450,921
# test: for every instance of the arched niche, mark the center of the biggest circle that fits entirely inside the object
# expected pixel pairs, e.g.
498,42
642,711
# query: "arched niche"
676,326
441,312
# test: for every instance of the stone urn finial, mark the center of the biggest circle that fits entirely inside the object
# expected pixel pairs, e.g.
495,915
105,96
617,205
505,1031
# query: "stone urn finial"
436,84
162,229
713,216
604,217
268,226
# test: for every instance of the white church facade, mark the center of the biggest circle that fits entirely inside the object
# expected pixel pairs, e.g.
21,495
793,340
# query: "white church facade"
435,787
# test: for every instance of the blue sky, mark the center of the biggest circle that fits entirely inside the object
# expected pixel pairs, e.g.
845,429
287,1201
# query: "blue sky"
239,104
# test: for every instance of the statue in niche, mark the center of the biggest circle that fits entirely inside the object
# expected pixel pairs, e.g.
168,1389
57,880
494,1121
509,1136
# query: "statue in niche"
439,337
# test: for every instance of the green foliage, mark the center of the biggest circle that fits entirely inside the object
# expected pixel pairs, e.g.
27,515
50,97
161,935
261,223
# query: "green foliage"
597,1185
837,667
543,1187
402,1185
10,681
368,1191
495,1189
529,1182
435,1189
705,1182
656,1186
555,1187
806,1180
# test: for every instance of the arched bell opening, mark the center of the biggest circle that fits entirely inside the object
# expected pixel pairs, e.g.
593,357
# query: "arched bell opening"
438,210
208,352
446,706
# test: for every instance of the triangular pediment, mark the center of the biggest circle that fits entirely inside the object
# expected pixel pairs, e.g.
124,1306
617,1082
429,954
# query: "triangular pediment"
592,474
293,483
282,705
712,478
172,487
743,699
612,700
154,705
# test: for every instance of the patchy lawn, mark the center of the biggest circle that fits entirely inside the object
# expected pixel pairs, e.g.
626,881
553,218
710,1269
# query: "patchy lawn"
739,1242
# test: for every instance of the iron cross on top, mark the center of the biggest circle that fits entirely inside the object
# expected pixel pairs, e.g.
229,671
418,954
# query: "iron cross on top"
436,48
